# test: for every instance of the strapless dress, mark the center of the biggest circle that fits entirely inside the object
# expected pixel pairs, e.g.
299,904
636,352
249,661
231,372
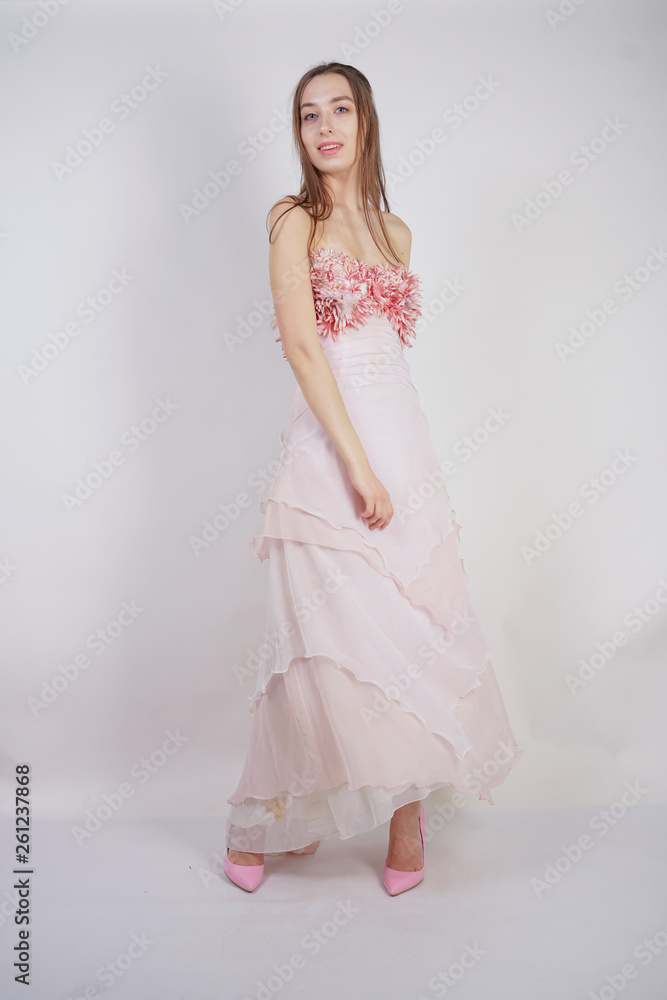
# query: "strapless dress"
374,683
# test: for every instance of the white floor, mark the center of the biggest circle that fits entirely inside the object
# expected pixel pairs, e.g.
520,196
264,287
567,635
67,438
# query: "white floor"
323,926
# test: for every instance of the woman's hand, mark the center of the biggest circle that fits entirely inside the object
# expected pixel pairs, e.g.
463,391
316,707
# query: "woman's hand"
379,511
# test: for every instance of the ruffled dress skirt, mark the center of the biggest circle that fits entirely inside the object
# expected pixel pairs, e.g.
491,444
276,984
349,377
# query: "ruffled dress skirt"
375,685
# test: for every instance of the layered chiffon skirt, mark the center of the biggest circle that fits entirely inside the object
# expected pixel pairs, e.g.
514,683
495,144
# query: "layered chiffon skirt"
375,685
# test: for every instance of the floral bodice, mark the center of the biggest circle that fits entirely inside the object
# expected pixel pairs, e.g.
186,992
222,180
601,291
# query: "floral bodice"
347,292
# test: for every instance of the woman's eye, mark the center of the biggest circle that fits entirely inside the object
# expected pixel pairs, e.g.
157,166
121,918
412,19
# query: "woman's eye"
312,113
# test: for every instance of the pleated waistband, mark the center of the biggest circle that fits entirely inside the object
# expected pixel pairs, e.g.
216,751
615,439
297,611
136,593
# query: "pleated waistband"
368,356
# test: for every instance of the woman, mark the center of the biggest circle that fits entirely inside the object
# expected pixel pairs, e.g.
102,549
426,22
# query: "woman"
375,684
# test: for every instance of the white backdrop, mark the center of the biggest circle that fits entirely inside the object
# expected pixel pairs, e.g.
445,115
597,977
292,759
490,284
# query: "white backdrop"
143,392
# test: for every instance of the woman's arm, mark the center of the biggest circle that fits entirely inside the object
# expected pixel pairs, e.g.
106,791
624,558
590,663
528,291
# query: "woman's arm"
292,293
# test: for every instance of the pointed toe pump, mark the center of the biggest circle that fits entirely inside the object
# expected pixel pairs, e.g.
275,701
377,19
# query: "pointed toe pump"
246,877
397,881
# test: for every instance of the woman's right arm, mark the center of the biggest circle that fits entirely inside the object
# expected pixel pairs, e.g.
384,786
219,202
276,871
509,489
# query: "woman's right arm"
292,293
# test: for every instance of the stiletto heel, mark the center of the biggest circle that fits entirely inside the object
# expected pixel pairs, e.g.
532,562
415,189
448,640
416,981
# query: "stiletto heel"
246,877
397,881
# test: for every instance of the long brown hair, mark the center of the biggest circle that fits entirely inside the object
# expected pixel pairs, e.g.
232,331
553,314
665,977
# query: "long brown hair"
313,195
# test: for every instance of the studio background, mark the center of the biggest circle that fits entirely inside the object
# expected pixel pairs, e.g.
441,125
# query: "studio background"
144,392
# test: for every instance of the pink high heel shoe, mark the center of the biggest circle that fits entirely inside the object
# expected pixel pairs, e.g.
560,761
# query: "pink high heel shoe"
246,877
396,881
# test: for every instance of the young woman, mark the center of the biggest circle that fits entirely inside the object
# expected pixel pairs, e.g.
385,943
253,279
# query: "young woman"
375,685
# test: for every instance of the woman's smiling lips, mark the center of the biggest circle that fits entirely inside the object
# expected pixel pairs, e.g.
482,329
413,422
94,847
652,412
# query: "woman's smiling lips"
332,148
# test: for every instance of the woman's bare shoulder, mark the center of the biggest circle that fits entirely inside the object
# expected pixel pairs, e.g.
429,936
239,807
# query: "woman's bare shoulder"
400,235
288,216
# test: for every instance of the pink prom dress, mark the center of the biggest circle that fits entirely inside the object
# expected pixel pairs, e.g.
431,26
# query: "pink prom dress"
375,685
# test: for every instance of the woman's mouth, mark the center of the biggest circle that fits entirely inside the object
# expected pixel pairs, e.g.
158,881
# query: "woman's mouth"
329,148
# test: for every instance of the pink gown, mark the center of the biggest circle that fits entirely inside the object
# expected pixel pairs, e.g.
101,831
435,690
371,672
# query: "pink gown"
375,685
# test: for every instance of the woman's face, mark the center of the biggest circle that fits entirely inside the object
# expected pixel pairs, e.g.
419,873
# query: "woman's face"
329,118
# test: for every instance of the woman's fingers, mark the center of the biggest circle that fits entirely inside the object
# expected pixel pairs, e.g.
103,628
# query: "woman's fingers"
378,514
378,509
